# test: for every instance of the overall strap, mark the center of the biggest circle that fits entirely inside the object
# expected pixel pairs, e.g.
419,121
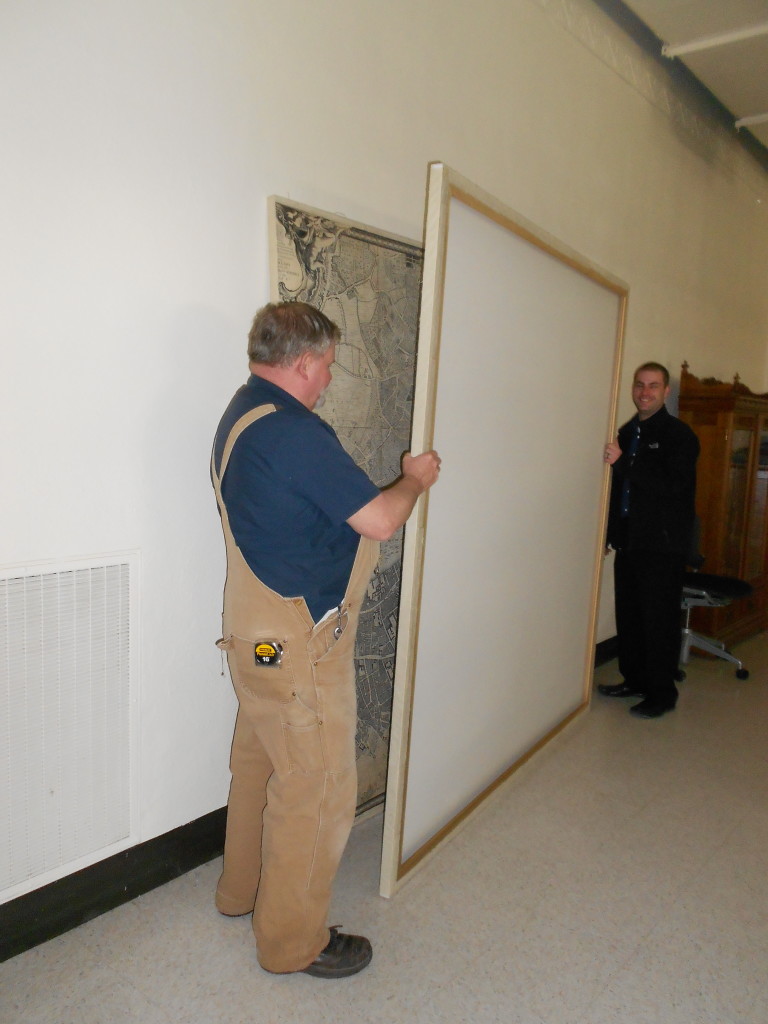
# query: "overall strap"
241,424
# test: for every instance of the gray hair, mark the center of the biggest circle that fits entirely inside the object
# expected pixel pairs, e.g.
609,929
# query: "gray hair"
281,332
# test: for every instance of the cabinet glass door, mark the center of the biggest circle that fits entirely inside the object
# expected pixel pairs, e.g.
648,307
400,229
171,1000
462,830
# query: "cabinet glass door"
741,444
758,513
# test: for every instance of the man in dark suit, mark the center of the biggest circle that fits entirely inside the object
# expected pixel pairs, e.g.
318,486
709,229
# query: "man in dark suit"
650,523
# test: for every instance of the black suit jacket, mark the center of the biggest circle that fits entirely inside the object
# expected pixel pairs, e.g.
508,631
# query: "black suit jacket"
662,486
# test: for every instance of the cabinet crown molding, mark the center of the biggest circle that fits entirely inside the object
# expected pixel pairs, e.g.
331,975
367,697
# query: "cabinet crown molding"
690,383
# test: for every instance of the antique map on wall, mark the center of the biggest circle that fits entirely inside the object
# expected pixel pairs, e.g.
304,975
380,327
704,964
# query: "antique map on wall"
367,282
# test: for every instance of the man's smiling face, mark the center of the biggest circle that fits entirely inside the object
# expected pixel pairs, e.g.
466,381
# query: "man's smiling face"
649,392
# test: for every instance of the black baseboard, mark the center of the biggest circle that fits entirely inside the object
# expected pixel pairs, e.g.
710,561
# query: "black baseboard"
56,908
606,651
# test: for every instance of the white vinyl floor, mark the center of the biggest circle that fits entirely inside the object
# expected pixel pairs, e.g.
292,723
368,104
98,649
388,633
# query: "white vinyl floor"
618,878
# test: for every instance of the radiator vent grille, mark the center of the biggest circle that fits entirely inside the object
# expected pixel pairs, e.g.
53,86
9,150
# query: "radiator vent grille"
65,718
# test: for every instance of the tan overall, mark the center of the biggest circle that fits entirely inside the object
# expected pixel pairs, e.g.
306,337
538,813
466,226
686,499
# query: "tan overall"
294,779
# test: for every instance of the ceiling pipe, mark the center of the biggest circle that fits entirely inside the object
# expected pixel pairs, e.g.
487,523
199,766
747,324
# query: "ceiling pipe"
744,122
709,42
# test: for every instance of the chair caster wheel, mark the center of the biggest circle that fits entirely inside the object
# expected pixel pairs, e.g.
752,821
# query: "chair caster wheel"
742,673
679,676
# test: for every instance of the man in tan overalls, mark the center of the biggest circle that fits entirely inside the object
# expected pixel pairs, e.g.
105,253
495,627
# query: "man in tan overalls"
302,525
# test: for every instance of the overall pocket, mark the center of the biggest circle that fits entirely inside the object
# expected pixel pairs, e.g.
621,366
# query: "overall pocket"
264,666
285,719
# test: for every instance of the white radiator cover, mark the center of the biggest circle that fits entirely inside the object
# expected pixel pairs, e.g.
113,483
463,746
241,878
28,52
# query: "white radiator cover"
67,717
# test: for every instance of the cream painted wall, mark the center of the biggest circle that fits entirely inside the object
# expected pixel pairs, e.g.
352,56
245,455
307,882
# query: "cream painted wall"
140,143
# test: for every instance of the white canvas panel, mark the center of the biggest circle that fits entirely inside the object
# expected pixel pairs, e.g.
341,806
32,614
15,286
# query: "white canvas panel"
523,343
507,581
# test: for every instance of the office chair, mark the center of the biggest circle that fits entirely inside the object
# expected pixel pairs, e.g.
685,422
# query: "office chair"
703,590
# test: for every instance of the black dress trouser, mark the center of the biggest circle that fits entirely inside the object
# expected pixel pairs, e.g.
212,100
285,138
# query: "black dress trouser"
648,589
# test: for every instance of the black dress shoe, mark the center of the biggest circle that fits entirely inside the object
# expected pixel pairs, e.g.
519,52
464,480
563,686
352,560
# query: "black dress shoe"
344,955
653,707
619,690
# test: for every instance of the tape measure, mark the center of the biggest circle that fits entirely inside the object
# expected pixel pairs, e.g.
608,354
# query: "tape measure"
268,652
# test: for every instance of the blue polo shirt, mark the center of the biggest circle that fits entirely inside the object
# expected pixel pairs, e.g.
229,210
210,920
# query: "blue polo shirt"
289,488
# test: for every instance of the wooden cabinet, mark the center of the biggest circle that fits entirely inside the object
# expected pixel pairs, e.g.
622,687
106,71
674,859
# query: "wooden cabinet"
731,423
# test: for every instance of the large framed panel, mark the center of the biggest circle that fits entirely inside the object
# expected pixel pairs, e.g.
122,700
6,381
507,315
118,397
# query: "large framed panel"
516,386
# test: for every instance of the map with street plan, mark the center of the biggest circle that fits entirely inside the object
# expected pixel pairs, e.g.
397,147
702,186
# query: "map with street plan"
368,282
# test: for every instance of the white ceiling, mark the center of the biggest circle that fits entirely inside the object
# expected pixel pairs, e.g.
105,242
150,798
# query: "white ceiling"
732,58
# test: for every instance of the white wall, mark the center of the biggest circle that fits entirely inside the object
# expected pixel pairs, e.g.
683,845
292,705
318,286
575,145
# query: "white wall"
140,143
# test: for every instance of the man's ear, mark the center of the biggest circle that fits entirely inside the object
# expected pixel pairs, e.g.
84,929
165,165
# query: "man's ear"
302,364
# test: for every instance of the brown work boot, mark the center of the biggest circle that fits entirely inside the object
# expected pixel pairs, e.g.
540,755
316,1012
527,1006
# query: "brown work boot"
343,956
